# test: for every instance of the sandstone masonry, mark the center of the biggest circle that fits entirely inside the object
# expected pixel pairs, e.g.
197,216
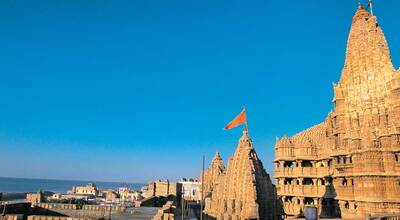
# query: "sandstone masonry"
349,165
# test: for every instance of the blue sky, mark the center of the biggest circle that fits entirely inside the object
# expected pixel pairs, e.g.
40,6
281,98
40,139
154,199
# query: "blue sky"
140,90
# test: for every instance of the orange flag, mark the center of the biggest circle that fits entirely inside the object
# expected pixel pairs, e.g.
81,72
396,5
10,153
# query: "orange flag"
238,120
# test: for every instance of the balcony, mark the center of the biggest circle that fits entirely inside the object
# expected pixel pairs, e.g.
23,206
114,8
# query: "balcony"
302,172
305,190
291,208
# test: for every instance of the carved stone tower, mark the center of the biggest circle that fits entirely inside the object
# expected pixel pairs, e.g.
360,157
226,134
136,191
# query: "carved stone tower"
349,165
245,190
215,170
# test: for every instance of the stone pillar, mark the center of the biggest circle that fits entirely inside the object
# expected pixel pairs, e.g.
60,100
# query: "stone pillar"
301,201
301,181
315,201
298,163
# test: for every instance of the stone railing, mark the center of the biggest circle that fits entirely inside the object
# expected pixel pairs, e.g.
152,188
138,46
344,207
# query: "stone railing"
302,172
44,217
345,192
84,207
305,190
305,152
57,206
11,217
102,208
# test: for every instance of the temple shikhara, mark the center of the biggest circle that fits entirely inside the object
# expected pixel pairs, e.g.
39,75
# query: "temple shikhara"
349,165
241,191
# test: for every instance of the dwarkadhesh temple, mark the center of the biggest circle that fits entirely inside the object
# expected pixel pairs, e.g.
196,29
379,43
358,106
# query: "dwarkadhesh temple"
349,165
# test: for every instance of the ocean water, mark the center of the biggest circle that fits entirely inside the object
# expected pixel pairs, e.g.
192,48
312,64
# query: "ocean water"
23,185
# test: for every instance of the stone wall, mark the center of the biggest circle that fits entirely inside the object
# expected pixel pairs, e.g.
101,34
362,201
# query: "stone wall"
57,206
11,217
166,212
163,188
44,217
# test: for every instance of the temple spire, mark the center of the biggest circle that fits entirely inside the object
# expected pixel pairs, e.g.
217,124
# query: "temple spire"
368,66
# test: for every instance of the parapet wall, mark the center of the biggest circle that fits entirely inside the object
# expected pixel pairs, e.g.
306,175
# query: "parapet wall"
12,217
83,207
44,217
102,208
57,206
78,212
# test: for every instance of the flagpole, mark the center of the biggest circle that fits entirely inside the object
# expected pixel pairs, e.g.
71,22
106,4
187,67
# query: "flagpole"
245,124
202,190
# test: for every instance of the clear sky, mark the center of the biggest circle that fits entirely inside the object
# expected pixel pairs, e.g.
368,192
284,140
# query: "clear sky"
140,90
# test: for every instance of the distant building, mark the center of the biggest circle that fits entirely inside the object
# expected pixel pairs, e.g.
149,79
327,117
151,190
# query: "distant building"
191,189
112,196
89,189
126,195
35,198
162,188
55,196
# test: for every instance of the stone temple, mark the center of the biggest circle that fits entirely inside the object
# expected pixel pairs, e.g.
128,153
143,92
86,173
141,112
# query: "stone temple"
215,170
241,191
349,165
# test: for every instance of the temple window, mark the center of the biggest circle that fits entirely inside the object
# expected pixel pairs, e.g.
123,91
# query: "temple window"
346,205
307,181
306,163
225,206
396,156
288,164
308,201
336,140
288,199
344,182
323,182
377,143
287,181
298,182
351,159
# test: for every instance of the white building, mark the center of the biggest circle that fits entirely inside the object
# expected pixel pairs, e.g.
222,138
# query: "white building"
191,189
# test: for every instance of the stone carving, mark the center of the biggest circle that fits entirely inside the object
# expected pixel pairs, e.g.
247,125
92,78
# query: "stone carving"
244,190
211,175
349,165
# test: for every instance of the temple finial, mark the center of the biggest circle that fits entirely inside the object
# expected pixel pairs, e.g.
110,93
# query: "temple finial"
360,7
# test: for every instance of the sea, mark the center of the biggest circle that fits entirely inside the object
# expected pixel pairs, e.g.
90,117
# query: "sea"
23,185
